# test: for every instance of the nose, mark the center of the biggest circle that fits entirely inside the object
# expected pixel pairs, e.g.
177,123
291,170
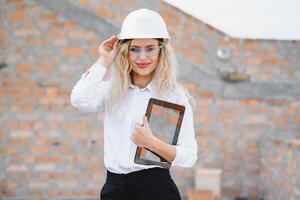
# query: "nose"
143,55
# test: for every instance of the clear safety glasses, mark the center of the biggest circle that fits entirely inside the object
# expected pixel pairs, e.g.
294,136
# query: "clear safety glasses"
150,51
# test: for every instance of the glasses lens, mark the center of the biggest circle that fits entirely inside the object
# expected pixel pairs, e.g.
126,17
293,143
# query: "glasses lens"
150,52
135,51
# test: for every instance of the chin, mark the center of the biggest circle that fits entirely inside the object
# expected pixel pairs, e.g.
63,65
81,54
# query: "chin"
143,72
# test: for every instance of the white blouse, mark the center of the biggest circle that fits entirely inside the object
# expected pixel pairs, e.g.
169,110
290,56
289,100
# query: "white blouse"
89,95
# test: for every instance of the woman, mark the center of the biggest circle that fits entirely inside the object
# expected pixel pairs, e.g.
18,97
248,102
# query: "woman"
143,66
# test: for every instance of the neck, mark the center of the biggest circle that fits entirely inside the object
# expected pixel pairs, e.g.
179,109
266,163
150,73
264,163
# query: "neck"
141,81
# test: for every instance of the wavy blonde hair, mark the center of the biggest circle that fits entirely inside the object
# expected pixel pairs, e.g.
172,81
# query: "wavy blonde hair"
164,79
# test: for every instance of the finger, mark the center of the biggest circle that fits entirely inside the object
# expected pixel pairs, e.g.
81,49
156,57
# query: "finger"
115,44
134,132
137,128
107,41
115,37
133,136
110,41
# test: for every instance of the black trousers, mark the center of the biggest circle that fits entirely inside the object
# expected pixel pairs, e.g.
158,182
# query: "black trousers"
148,184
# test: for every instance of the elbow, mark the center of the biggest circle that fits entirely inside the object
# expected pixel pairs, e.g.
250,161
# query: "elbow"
75,100
81,103
185,157
193,160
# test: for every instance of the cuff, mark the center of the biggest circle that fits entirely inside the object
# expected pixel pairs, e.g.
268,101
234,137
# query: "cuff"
179,157
96,71
184,157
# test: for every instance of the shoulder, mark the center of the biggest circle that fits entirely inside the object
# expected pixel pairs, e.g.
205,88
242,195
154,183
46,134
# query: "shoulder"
180,95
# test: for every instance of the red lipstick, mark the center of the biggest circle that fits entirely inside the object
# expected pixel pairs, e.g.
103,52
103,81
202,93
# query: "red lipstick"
142,65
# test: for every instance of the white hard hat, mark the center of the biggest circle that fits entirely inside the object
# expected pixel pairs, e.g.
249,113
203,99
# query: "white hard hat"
144,23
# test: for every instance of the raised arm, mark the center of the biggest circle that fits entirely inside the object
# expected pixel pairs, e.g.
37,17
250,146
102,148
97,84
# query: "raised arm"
89,92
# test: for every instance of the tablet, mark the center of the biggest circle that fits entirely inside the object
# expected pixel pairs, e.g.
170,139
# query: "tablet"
165,119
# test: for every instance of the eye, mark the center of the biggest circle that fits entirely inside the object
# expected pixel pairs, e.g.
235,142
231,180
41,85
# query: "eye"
134,49
150,49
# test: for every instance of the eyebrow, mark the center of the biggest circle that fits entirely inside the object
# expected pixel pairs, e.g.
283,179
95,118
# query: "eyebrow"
140,46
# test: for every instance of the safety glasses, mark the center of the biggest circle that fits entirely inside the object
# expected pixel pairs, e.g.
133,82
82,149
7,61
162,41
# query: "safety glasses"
150,51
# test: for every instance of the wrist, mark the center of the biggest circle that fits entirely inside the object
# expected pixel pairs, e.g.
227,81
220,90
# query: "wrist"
153,143
102,61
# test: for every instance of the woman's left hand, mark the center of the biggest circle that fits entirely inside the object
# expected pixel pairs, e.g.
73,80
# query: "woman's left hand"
142,135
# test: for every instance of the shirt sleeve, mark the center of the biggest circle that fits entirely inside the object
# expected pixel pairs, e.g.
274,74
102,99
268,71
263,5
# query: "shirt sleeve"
186,148
89,92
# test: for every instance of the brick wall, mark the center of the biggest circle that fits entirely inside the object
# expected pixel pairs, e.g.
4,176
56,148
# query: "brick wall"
48,149
46,52
280,177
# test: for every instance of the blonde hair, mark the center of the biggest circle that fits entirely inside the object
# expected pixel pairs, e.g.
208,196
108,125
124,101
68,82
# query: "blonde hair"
164,79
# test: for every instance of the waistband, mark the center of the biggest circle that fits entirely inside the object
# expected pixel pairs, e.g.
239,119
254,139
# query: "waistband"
137,177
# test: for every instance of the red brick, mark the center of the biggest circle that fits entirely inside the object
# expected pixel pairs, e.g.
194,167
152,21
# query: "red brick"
19,142
94,42
250,102
296,119
278,102
2,33
80,34
104,12
48,159
20,7
93,52
56,176
57,34
25,125
60,41
80,159
67,184
35,41
69,25
96,166
9,185
206,94
17,16
200,195
227,118
39,150
83,2
3,134
64,150
24,67
251,61
14,1
48,16
72,51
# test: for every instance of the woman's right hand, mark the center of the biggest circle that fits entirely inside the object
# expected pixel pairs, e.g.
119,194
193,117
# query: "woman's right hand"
107,51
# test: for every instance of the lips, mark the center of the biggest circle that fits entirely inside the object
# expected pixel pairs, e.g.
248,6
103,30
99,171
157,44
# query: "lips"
142,65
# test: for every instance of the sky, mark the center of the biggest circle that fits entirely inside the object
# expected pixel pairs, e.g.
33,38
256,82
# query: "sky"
247,19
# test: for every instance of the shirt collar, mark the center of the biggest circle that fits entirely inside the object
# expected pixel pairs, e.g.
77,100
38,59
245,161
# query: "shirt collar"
149,87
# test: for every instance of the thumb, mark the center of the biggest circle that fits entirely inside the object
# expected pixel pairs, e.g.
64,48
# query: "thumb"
145,121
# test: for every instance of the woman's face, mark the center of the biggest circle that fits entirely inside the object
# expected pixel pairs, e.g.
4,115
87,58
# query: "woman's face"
144,56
